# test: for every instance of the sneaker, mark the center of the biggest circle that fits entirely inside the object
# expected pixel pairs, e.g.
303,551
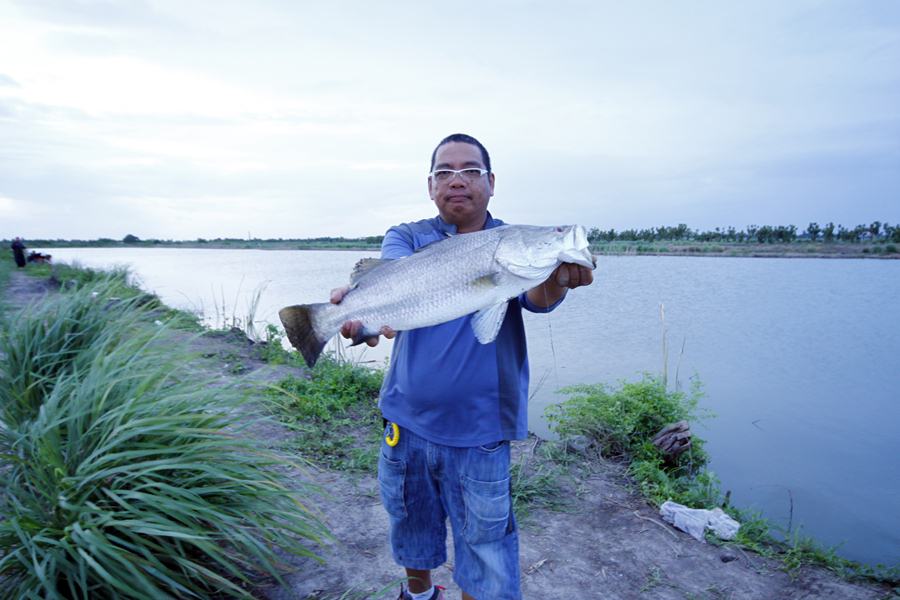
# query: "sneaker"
437,595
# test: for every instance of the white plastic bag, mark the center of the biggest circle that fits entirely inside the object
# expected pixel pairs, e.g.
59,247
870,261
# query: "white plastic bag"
694,521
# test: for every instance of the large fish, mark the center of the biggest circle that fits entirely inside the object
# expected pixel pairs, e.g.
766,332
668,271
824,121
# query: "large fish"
467,273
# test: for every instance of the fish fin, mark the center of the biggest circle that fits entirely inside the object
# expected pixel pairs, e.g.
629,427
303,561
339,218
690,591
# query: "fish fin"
300,325
363,266
486,322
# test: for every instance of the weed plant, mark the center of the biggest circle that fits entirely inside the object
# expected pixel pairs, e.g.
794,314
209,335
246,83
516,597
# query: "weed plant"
535,486
122,476
330,409
621,422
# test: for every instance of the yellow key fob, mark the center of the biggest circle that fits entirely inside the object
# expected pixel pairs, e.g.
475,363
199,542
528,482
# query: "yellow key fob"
394,438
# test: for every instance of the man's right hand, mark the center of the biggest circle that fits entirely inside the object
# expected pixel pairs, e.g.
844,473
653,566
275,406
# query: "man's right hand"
350,329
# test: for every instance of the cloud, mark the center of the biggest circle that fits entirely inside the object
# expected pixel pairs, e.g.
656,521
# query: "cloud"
318,119
7,206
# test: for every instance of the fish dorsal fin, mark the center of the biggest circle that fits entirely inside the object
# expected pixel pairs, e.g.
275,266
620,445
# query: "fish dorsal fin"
486,322
363,266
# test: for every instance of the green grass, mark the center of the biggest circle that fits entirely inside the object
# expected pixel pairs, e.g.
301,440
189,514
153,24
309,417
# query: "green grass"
536,485
6,267
123,475
334,413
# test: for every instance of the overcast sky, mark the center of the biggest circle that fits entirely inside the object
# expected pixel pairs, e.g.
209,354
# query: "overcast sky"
178,119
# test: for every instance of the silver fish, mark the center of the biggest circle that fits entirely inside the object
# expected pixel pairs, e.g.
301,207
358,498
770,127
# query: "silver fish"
467,273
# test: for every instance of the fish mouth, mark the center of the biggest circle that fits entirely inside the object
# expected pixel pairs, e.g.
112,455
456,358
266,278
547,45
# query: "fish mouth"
579,257
578,249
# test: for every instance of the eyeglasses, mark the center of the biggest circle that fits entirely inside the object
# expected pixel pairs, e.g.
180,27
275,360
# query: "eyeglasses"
470,174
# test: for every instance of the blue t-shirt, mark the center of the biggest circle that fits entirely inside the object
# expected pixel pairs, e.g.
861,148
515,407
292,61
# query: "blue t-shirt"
442,383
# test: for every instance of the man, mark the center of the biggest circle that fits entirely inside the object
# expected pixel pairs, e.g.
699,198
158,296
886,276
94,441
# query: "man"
18,248
456,404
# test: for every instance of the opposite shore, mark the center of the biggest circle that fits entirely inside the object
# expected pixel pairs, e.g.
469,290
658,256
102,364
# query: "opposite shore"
881,249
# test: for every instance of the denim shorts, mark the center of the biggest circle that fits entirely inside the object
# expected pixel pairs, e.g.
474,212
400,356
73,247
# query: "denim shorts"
423,484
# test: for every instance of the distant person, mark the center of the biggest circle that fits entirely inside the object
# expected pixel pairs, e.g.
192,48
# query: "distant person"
18,248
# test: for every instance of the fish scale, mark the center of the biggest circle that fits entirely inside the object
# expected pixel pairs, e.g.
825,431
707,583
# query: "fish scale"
467,273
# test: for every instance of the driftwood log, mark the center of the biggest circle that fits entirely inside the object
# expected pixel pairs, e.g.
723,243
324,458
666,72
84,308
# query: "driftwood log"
673,439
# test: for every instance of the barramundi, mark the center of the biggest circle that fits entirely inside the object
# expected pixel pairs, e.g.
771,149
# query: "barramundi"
466,273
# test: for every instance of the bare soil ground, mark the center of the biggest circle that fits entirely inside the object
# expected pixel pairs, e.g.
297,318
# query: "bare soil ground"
606,543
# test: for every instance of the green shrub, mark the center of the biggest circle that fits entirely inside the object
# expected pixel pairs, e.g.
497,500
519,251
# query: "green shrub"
133,479
890,249
327,410
620,421
621,424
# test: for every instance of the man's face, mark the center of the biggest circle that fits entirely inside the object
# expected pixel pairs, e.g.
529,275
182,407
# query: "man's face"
460,201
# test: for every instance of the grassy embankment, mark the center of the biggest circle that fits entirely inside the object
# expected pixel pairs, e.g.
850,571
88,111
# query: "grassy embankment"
122,473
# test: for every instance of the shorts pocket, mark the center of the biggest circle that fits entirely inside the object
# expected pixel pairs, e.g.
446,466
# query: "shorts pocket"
487,506
492,448
392,482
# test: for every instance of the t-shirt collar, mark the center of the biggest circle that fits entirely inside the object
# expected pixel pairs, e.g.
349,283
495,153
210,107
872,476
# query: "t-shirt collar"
450,229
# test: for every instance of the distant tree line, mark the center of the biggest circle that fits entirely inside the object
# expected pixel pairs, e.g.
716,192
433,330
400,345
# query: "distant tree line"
133,240
754,234
764,234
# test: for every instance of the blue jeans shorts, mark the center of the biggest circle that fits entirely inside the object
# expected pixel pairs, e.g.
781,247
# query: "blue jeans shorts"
423,484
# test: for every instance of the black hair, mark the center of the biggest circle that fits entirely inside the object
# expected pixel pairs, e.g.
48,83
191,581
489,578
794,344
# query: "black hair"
465,139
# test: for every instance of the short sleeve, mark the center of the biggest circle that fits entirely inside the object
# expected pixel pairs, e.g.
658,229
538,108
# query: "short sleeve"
396,244
527,305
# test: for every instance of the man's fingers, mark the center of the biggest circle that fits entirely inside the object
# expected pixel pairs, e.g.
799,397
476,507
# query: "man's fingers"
571,276
337,294
587,276
350,329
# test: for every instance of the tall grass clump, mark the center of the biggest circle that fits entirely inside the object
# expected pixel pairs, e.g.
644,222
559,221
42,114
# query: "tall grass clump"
127,477
41,343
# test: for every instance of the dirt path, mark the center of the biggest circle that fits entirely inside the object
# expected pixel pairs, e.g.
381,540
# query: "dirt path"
607,543
22,289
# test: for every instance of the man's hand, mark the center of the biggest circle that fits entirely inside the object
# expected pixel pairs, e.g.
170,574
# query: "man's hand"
571,276
565,277
350,329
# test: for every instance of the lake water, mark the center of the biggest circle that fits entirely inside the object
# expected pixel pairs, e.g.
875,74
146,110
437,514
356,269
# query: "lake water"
799,360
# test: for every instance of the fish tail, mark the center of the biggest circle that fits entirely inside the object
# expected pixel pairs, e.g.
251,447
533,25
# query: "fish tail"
300,325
